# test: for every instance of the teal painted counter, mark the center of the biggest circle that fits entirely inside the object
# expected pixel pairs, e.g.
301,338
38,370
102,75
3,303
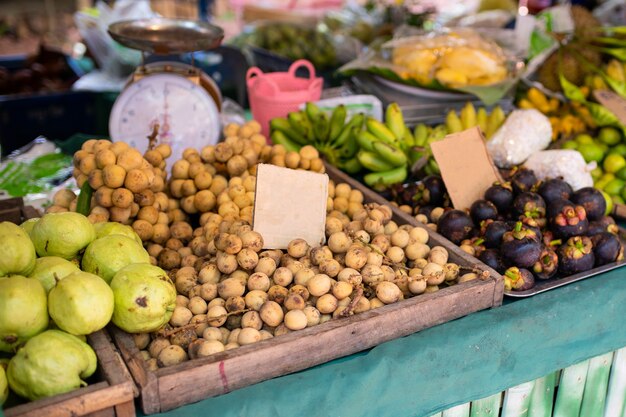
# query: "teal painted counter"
449,364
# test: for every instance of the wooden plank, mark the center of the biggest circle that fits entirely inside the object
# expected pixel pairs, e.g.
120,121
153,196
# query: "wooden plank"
9,203
517,400
487,407
542,399
594,397
571,387
462,410
117,390
13,215
616,395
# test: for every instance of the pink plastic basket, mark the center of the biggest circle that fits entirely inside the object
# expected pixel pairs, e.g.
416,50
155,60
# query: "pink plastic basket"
275,94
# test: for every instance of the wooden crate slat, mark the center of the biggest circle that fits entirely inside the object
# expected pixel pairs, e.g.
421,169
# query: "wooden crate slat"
616,395
571,388
517,400
462,410
487,407
542,399
596,385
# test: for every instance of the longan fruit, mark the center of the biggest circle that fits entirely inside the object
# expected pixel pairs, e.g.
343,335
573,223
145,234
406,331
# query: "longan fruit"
305,164
129,159
95,179
113,176
164,149
154,157
204,201
64,197
158,183
120,215
118,147
89,144
236,165
105,157
218,185
103,196
309,152
278,160
188,188
144,229
187,203
122,198
101,144
136,181
87,164
160,233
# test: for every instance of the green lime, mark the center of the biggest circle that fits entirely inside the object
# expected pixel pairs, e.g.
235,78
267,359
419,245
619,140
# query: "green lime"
605,148
619,149
623,195
596,173
591,152
621,174
609,203
613,163
583,138
609,136
617,199
614,187
604,180
570,144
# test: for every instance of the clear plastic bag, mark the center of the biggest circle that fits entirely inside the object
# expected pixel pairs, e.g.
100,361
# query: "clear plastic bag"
566,163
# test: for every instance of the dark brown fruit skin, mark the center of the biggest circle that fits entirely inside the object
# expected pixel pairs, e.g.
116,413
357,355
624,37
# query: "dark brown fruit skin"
521,249
500,196
529,202
492,258
493,233
569,262
523,180
607,248
483,210
524,279
555,188
592,200
456,226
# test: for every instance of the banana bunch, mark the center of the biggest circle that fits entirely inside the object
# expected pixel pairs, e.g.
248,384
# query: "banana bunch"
333,136
384,147
467,118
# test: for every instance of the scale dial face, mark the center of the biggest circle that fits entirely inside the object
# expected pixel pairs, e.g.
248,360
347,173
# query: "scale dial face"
187,115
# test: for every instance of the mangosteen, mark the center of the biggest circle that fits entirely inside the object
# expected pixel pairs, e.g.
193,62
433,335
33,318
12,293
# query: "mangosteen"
455,225
556,206
492,258
483,210
529,204
607,248
576,255
592,200
518,279
474,246
570,221
433,190
521,246
534,224
493,231
605,224
501,195
547,265
555,188
523,180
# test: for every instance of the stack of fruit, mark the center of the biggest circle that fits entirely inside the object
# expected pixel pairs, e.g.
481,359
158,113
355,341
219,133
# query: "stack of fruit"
527,230
48,304
388,149
608,150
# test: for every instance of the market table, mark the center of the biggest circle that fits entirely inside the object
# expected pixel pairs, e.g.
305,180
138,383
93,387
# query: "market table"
449,364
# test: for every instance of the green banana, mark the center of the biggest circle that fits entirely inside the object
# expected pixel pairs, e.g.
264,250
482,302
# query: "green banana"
390,153
280,138
386,178
283,125
373,162
355,121
434,165
395,120
496,118
312,111
453,123
366,140
351,166
438,133
379,130
337,121
321,128
301,124
481,119
468,116
351,146
420,134
407,140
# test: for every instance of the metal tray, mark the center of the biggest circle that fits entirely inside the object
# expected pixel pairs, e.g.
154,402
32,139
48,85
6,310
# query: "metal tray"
166,36
543,286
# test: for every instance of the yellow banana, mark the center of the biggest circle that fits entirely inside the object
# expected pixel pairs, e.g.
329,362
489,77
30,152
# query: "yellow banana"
453,123
468,116
615,70
496,118
366,140
390,153
525,104
373,162
481,119
395,120
379,130
420,134
539,100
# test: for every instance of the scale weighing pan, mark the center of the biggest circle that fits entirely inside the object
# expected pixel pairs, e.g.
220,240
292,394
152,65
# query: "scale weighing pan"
166,36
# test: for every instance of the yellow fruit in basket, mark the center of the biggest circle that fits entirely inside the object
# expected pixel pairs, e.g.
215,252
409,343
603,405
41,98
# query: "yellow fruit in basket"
478,66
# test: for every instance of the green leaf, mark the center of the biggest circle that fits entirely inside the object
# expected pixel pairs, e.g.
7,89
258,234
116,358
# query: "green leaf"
570,90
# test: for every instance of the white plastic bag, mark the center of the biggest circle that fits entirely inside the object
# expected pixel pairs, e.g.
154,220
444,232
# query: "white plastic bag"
565,163
523,133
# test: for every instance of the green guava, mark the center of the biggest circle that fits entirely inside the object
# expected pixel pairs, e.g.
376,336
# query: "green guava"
114,228
81,303
4,386
50,269
107,255
62,234
17,253
23,311
51,363
145,298
29,224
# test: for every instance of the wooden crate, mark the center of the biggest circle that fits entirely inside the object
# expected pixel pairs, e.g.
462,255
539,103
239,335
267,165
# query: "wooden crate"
112,396
192,381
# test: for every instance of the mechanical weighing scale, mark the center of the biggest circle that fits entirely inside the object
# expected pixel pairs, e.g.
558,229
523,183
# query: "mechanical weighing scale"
176,101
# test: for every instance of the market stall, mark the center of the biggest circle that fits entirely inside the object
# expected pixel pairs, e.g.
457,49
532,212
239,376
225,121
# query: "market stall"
426,219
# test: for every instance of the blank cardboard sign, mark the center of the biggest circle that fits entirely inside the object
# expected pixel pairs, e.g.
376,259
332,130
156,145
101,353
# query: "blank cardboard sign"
289,204
466,167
